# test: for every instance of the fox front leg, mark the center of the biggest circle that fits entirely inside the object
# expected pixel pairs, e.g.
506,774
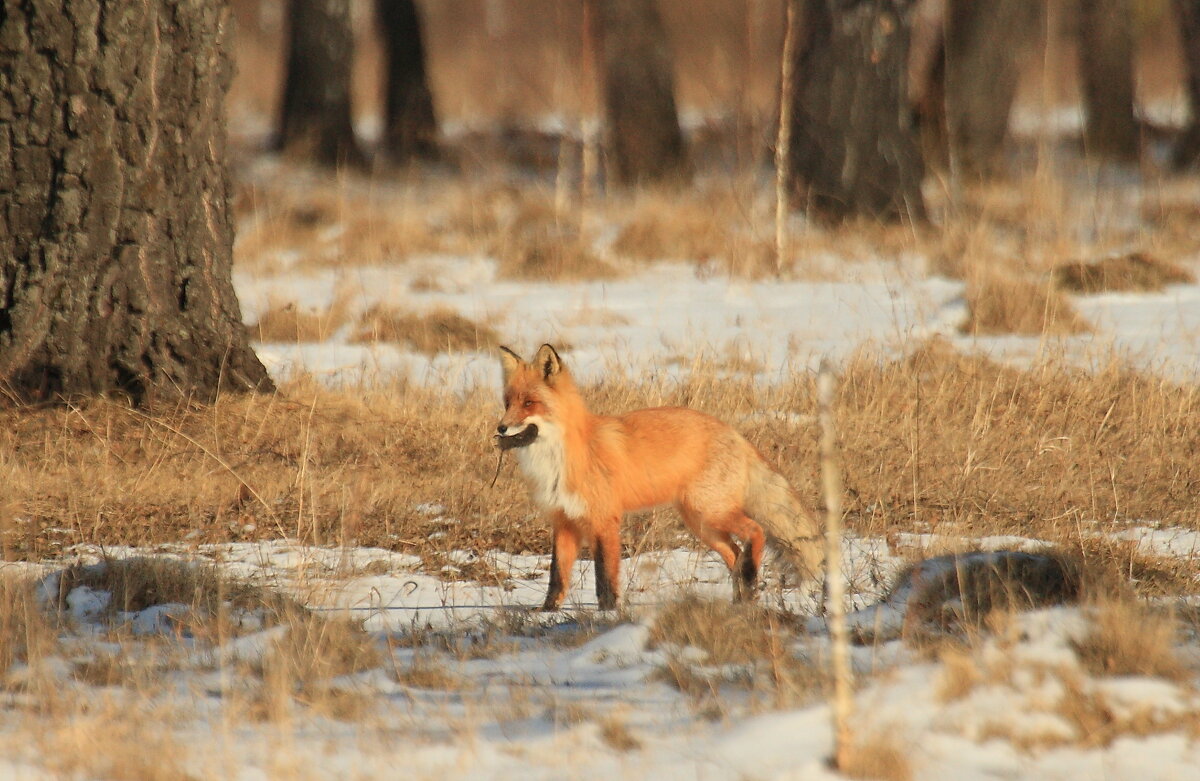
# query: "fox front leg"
606,552
562,559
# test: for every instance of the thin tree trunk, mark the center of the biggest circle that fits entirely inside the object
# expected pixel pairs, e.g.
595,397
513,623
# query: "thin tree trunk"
409,122
1187,149
1106,70
644,138
927,80
115,229
854,141
984,43
315,117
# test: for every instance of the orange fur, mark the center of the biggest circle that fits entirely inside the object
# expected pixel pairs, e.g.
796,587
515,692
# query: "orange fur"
586,471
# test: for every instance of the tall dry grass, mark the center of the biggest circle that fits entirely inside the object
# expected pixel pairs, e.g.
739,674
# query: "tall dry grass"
936,440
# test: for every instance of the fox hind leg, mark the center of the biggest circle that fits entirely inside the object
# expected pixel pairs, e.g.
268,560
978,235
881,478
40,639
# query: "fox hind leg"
718,534
749,560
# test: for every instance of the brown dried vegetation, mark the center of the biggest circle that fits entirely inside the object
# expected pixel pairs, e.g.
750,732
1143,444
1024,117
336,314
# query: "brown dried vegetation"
1132,271
441,330
936,440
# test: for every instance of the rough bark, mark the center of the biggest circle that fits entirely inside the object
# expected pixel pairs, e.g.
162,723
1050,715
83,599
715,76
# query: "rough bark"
115,229
644,141
854,141
1106,72
315,116
409,122
984,43
1187,149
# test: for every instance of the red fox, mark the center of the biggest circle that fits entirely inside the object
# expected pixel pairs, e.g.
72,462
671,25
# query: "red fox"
586,471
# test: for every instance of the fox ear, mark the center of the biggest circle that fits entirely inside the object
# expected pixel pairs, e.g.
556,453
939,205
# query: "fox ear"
509,361
548,362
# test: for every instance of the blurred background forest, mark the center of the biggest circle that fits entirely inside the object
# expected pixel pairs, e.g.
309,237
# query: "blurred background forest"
498,66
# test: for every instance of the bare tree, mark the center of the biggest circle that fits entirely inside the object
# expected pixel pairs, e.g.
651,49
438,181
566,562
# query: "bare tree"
1187,149
854,142
115,229
409,122
315,117
644,139
985,41
1106,70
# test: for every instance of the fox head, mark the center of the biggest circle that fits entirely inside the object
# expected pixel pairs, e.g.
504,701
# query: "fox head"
532,392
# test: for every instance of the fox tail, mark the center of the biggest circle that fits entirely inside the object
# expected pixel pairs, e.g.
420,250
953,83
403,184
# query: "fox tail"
788,524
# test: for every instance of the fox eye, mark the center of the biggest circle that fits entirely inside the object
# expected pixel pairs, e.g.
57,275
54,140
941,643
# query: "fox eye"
528,403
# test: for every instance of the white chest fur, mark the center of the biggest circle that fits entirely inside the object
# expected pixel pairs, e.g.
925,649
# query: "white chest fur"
544,462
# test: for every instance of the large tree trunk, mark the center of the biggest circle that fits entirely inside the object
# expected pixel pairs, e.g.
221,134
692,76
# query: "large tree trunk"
1106,70
409,123
645,142
1187,149
984,43
315,117
854,142
115,230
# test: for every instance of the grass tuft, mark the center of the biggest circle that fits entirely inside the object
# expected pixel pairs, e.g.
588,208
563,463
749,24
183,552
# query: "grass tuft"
1129,638
876,756
441,330
1001,303
1119,273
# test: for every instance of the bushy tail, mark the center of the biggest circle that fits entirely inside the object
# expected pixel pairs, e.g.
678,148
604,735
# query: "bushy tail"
788,524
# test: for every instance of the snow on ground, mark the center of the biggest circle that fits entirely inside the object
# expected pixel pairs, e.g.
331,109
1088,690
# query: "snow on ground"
546,694
579,694
660,320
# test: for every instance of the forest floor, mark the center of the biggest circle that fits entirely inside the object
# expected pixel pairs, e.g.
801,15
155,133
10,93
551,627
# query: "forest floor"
326,582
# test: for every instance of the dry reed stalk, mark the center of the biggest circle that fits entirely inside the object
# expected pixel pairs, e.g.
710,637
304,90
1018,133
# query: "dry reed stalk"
831,480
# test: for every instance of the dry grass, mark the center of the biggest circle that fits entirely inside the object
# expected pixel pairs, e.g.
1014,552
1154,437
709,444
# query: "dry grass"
616,735
25,632
1096,722
441,330
1132,271
876,755
719,229
740,644
291,323
1129,638
287,223
140,582
316,648
114,740
1000,303
959,676
936,440
726,633
428,673
534,242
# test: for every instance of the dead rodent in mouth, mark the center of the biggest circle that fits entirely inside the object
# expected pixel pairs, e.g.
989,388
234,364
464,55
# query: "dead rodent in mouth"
520,439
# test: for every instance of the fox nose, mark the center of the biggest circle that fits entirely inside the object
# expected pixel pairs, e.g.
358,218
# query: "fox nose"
501,429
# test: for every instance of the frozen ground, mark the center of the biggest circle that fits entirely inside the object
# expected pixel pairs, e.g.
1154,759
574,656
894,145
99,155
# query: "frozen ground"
581,695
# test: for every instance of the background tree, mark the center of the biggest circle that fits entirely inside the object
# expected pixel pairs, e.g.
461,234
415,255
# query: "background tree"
1106,75
644,141
409,122
985,41
315,118
854,143
115,229
1187,150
